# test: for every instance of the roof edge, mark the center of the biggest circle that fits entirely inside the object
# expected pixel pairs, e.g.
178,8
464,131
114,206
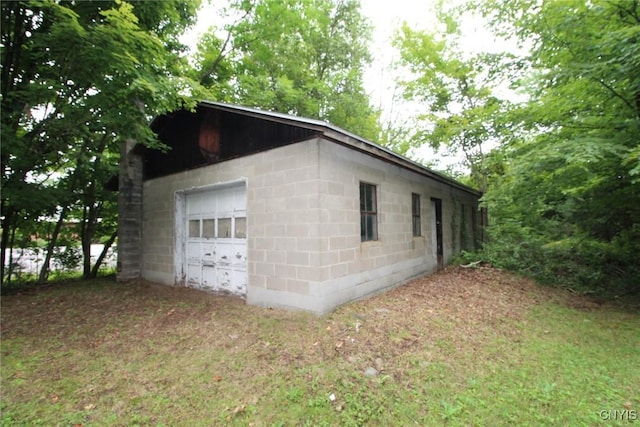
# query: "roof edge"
344,137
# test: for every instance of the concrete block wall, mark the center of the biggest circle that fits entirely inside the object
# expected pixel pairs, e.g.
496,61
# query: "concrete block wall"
284,226
284,234
356,268
130,205
304,248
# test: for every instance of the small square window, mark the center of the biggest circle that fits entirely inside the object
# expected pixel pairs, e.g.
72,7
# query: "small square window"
368,212
224,228
209,228
241,228
194,228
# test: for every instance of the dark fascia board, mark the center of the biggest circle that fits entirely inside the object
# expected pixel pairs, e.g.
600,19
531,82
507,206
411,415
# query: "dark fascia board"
342,137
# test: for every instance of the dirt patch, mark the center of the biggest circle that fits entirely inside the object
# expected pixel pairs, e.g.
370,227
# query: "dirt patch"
457,297
132,348
455,311
452,311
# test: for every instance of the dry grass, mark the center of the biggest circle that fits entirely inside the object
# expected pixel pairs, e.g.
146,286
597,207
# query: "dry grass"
143,354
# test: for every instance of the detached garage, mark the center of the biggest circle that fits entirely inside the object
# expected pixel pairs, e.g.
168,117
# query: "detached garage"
282,210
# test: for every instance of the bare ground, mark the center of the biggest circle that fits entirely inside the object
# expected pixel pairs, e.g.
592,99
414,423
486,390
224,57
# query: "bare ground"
109,340
455,308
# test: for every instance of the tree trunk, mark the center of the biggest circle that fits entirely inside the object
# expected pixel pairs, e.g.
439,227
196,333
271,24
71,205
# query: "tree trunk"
44,271
90,210
86,236
88,230
13,239
103,254
7,226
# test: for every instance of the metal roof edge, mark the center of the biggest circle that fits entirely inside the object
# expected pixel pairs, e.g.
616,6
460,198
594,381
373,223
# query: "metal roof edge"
327,129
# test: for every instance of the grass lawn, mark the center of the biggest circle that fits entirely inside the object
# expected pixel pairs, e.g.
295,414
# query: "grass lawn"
461,347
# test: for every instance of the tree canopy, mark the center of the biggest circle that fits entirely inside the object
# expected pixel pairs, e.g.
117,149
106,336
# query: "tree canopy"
304,58
562,182
77,79
459,108
568,204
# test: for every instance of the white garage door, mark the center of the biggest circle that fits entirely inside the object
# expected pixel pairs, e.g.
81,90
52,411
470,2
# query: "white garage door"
216,247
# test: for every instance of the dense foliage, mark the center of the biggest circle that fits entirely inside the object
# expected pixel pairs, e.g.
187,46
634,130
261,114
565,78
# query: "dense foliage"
304,58
563,183
78,78
459,108
567,207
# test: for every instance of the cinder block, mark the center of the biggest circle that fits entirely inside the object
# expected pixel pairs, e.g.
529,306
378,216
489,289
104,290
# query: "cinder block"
351,228
338,270
265,243
264,167
308,273
306,216
283,188
308,187
298,230
330,257
285,271
257,255
296,202
347,255
340,216
298,258
299,174
284,243
265,268
276,283
275,231
335,188
307,244
276,256
298,286
257,280
337,243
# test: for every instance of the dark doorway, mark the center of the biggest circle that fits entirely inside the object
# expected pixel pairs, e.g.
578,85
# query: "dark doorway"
437,210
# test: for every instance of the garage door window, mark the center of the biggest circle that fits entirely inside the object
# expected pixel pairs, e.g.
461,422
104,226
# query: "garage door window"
194,228
224,228
209,228
241,228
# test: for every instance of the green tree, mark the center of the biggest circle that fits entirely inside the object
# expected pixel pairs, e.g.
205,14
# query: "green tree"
77,79
456,93
299,57
568,205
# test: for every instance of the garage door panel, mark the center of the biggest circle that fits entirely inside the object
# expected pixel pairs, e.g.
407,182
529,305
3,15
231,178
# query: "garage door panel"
216,247
224,279
208,252
224,254
239,259
240,281
194,252
194,274
208,277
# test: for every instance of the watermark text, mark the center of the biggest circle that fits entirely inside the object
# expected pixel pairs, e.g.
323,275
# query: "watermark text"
618,414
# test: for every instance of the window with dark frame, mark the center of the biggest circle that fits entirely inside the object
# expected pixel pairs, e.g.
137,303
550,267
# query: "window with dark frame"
368,212
415,213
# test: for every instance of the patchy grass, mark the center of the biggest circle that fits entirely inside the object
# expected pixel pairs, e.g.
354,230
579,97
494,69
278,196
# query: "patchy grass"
461,347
